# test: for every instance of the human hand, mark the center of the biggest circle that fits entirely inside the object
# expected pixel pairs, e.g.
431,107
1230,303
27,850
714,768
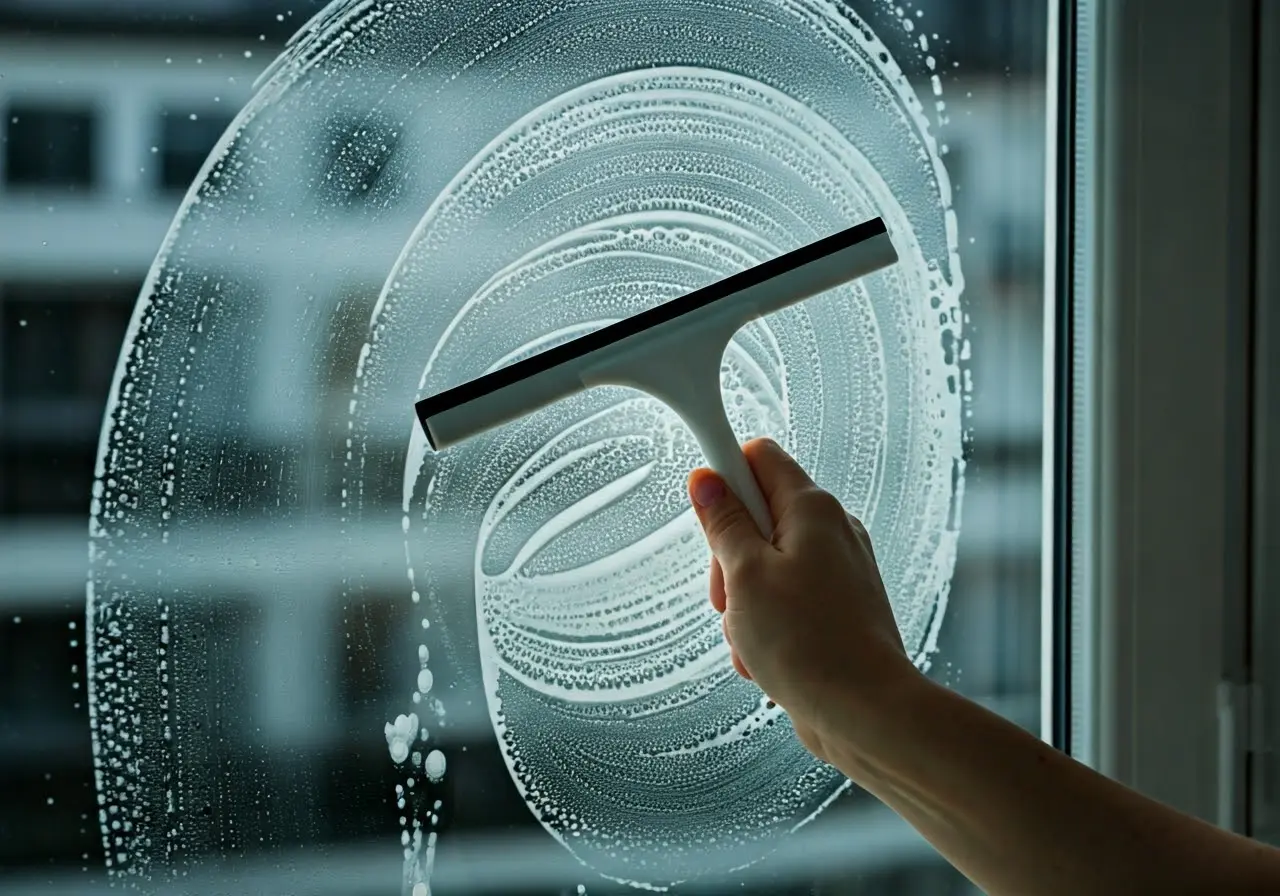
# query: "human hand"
805,615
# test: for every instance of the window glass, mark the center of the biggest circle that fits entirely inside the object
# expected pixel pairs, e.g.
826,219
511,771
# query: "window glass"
314,655
186,138
58,345
61,340
49,146
357,152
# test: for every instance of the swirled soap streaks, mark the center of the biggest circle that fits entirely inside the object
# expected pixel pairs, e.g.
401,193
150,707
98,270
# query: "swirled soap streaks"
595,638
556,167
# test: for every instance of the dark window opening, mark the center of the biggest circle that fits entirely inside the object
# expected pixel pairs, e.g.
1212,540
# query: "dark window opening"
44,738
58,350
368,671
61,341
43,480
356,156
1018,252
186,139
50,146
956,161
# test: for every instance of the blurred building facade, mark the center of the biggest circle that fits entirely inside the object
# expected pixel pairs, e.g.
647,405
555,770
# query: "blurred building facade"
106,116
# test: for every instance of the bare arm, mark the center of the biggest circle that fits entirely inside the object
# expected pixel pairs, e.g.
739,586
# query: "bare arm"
807,618
1018,817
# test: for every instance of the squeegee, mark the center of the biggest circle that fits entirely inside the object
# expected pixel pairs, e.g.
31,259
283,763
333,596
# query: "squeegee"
672,351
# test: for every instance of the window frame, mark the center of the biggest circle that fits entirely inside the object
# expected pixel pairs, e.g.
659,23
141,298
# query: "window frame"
1056,534
1159,525
1264,813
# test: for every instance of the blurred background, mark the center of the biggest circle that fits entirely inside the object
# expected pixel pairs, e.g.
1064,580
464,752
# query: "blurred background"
107,112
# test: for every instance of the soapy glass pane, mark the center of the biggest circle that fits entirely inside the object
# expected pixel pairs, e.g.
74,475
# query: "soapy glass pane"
508,178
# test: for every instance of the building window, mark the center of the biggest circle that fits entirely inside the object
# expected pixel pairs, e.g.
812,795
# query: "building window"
46,480
1018,254
50,146
186,139
61,341
58,349
956,160
356,155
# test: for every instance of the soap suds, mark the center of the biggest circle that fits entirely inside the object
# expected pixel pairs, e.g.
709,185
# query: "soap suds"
434,765
400,736
590,573
554,567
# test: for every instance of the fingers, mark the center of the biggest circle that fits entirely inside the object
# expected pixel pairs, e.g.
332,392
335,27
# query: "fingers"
719,599
726,533
731,533
780,477
798,504
733,654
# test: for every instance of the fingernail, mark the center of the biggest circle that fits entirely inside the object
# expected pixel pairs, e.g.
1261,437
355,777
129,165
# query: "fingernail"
708,490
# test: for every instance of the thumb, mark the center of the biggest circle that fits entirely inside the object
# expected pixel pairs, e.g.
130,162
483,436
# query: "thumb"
731,533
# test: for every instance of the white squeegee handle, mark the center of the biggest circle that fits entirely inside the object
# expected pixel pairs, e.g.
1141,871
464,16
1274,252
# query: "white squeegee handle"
683,372
678,362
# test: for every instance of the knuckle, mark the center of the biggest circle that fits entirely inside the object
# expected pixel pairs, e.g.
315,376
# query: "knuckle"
724,526
749,566
820,504
861,533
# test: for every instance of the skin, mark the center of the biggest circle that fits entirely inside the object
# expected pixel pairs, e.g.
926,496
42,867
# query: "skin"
807,618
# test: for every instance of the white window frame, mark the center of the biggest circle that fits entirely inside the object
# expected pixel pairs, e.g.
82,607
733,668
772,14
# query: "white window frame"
1160,340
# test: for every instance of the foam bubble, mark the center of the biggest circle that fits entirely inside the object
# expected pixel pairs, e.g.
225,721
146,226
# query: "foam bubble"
434,765
400,735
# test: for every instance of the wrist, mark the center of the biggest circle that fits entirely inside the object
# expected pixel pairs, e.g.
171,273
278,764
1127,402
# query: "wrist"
864,726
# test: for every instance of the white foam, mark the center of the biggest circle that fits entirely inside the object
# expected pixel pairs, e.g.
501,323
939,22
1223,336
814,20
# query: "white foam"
629,181
434,765
590,574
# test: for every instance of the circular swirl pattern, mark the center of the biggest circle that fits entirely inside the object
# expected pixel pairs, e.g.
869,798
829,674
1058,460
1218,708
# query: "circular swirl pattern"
613,156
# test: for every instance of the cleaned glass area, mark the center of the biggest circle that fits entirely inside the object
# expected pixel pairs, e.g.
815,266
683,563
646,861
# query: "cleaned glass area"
255,634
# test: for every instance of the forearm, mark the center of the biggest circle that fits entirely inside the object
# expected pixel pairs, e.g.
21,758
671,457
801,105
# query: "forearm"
1018,817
